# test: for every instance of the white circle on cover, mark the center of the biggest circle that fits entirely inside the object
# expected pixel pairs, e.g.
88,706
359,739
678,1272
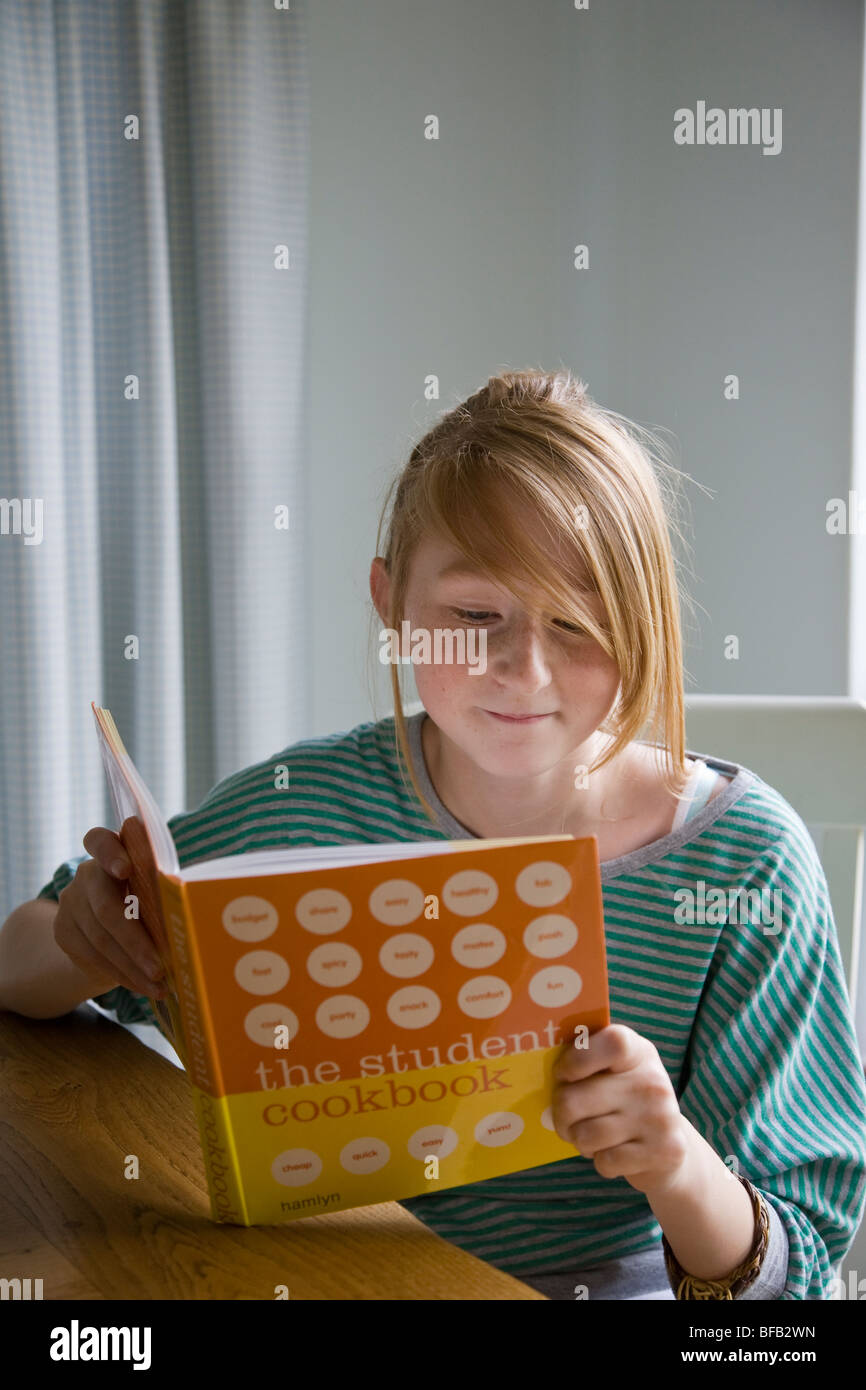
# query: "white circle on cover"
334,964
262,972
396,902
406,955
250,919
261,1023
364,1155
440,1140
543,884
485,996
550,936
470,893
296,1167
323,910
478,946
555,986
342,1016
502,1127
547,1119
413,1007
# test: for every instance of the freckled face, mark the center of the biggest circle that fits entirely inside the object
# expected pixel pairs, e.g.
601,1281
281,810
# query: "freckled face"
558,685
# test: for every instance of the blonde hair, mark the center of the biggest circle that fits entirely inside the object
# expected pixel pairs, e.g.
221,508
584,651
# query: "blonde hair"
536,441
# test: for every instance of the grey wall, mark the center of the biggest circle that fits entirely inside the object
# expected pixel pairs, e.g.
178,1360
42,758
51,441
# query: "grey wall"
455,257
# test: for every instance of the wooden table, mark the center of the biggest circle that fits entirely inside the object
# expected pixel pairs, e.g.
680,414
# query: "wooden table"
78,1095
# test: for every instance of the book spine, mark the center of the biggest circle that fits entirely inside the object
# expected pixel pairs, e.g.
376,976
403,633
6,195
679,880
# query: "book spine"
201,1059
201,1055
220,1159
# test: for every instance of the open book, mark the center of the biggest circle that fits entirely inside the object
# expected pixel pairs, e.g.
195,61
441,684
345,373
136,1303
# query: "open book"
366,1022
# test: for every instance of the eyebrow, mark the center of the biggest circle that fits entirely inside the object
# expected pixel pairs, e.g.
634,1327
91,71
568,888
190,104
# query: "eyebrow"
460,569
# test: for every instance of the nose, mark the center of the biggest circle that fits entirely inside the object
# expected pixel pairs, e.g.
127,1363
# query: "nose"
518,656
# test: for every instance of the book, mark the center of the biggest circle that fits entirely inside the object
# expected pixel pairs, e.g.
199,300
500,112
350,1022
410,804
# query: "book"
366,1022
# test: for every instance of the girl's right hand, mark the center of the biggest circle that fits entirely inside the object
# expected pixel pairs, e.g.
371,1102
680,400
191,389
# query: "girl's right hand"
91,928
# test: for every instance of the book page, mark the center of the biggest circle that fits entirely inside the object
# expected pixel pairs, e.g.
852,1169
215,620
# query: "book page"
288,861
143,883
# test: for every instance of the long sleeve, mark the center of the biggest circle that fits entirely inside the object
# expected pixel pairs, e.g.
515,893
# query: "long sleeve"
773,1078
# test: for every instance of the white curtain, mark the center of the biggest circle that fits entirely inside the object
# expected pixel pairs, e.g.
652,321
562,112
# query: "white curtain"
158,259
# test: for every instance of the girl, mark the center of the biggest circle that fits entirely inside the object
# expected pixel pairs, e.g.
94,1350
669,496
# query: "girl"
720,1121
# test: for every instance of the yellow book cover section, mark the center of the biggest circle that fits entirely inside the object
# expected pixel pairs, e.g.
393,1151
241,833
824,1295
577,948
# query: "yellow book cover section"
368,1031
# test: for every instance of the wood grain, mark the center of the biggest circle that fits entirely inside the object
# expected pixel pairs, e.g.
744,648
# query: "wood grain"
78,1095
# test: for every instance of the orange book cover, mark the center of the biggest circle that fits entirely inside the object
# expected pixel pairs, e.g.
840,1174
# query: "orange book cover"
368,1022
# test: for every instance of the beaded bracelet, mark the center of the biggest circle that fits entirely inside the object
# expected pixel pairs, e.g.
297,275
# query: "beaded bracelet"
686,1286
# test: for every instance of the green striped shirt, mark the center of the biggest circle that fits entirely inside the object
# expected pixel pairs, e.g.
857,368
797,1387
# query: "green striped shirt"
750,1015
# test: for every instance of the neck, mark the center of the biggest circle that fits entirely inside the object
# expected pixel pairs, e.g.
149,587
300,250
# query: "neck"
550,804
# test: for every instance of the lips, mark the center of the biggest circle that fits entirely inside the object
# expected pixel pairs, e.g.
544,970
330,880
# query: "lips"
519,718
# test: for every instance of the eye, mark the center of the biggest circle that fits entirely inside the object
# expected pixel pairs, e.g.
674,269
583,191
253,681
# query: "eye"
472,615
480,615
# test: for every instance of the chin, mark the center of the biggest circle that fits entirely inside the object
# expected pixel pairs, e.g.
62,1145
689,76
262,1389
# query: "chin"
510,752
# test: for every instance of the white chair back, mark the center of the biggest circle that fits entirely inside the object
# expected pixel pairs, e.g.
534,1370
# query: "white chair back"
813,751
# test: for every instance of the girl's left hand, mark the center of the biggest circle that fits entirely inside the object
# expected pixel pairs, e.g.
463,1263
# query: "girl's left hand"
613,1100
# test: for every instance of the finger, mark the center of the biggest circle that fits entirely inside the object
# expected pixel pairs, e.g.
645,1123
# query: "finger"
625,1160
615,1048
600,1132
575,1063
75,944
106,945
589,1100
107,903
107,849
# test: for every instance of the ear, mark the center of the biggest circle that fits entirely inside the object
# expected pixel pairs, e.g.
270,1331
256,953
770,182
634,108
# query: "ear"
380,588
